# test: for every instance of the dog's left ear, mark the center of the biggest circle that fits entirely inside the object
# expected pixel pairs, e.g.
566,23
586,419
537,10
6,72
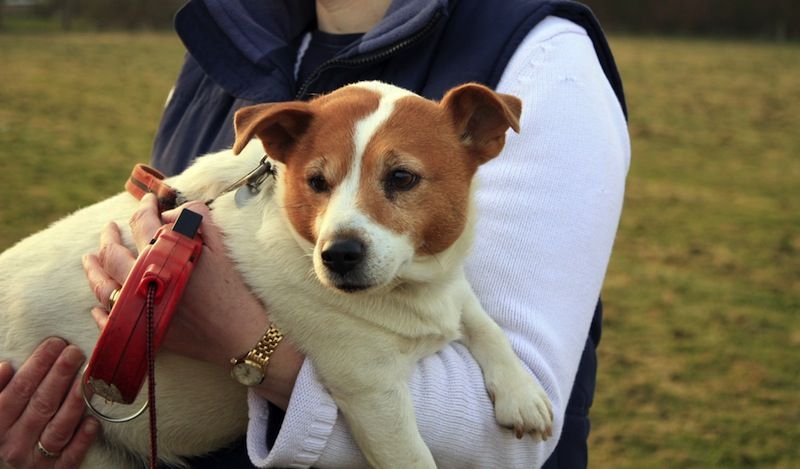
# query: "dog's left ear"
278,125
482,117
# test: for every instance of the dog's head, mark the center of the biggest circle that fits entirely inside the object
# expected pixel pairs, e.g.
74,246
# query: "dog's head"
376,177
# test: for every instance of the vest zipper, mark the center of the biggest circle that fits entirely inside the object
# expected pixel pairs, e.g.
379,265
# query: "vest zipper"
374,57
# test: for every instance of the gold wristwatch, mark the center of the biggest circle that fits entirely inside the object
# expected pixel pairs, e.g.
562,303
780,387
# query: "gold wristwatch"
250,368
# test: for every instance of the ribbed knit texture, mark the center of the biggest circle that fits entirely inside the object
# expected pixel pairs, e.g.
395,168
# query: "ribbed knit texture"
548,209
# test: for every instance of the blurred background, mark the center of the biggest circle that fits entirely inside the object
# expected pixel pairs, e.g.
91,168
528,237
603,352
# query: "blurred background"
700,357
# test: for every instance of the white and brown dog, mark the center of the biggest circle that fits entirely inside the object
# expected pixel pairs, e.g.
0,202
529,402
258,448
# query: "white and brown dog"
356,249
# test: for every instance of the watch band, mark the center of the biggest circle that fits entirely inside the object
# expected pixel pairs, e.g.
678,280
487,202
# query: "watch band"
264,348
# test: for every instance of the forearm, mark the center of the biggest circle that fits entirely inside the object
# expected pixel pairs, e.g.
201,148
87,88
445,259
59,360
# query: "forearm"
279,381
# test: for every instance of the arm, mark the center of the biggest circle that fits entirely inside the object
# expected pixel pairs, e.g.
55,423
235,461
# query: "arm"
549,208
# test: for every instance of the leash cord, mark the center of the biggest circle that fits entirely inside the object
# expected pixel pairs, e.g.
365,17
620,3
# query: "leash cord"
151,374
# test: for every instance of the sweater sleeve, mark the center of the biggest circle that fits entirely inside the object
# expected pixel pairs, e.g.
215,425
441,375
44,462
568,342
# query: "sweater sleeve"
548,207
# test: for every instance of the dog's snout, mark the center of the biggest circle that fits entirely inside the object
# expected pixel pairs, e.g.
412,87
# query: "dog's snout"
342,255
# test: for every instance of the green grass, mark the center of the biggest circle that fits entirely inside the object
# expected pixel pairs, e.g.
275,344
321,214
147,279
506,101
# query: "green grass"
699,360
77,111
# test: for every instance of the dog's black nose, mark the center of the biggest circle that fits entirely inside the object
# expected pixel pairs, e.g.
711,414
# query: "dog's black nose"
342,255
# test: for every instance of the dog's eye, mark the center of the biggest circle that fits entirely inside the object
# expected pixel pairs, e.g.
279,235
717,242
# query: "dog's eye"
400,180
318,183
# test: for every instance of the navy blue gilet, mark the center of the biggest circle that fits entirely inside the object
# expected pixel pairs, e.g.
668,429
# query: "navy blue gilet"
242,52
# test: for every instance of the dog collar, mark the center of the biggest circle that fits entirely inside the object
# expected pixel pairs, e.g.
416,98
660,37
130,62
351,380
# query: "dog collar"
145,179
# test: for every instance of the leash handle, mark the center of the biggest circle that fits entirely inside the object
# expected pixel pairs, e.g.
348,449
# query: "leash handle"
119,362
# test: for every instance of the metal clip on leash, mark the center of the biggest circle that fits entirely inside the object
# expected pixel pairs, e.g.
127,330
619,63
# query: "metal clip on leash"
249,184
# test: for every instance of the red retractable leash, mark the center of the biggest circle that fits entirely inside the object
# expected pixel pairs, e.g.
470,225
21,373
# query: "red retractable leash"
118,365
138,321
125,352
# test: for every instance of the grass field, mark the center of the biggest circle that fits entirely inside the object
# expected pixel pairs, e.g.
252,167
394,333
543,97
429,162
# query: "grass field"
700,359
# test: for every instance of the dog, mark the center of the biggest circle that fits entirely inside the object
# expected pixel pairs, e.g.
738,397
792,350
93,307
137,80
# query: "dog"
356,248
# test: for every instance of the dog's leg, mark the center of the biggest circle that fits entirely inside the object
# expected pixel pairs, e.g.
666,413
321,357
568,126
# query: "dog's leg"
383,424
520,402
372,394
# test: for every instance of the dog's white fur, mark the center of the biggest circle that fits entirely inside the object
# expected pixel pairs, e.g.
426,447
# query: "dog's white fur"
363,345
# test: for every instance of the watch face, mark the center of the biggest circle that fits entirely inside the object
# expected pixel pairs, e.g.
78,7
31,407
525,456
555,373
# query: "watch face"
247,374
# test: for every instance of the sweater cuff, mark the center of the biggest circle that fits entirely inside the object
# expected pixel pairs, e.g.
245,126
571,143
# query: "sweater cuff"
309,420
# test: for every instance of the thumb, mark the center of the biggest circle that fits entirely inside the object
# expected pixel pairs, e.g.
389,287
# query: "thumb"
145,221
212,236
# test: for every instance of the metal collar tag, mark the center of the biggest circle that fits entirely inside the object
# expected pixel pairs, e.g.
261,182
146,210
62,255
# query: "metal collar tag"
250,184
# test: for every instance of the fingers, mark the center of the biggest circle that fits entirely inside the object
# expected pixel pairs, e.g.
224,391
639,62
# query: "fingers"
212,237
196,206
72,455
116,259
23,385
101,283
100,317
6,372
47,400
61,427
145,221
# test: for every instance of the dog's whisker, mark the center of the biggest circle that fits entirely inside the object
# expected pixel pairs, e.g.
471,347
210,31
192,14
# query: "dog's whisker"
310,274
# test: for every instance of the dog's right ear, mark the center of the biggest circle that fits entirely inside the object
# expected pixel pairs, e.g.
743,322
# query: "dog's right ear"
278,125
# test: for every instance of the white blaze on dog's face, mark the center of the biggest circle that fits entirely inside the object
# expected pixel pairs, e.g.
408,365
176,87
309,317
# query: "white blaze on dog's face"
377,177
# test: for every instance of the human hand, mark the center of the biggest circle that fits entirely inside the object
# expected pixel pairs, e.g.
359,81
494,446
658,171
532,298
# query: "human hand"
41,410
218,317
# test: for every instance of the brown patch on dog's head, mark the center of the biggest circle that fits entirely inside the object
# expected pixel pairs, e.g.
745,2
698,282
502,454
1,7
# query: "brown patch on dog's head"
314,140
441,144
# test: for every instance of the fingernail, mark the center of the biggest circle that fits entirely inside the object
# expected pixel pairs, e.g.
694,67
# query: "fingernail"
74,355
55,344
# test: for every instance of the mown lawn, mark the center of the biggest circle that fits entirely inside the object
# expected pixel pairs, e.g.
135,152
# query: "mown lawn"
700,362
700,359
76,111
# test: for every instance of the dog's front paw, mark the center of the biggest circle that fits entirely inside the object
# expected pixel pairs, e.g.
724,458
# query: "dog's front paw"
521,404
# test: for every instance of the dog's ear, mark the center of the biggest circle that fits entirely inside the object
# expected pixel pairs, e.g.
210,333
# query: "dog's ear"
481,118
278,125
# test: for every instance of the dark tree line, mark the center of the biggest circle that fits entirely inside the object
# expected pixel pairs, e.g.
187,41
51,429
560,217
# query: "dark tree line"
776,19
107,14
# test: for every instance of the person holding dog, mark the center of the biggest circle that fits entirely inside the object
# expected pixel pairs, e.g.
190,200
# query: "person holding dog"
549,209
